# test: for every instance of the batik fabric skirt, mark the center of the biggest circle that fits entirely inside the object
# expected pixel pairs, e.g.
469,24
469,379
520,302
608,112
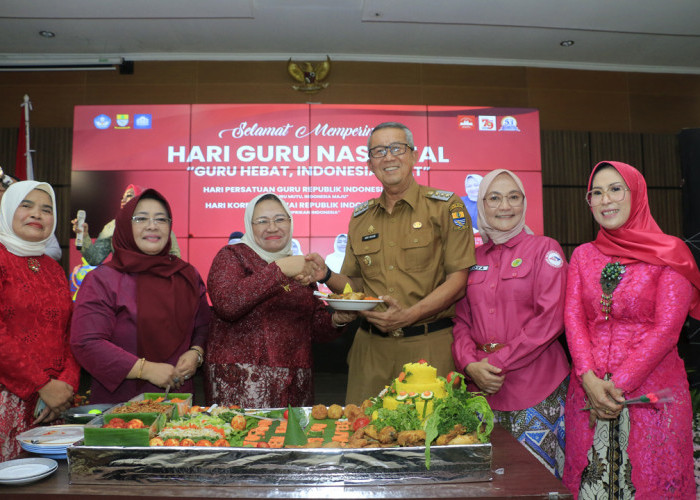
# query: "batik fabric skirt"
608,474
13,421
540,428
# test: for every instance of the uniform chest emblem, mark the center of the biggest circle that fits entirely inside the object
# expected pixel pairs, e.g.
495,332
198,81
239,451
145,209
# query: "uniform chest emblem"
516,262
368,260
417,225
554,259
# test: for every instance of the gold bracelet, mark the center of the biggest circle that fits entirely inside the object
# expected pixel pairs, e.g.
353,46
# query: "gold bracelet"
200,355
143,362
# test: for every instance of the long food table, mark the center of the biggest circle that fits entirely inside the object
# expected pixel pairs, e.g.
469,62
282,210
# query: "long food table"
517,474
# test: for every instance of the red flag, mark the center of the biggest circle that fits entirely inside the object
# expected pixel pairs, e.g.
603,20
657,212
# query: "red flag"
23,163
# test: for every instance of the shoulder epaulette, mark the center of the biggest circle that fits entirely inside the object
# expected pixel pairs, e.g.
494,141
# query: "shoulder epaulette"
363,207
437,194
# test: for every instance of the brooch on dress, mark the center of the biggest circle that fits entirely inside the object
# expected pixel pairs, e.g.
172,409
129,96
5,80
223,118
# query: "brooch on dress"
33,264
609,278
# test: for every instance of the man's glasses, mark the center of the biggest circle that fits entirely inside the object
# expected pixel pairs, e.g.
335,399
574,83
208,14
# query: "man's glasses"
615,193
494,200
158,221
396,149
264,221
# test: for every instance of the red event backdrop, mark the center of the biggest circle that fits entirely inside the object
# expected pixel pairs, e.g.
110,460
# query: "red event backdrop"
209,160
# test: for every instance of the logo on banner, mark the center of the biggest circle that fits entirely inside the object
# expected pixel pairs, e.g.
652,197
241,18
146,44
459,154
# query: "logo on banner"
102,122
509,124
142,121
122,121
487,123
466,122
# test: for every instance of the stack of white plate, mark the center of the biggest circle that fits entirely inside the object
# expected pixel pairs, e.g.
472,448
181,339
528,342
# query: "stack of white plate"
26,470
50,441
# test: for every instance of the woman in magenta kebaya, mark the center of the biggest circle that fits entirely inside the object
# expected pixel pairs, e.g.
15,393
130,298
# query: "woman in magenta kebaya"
628,295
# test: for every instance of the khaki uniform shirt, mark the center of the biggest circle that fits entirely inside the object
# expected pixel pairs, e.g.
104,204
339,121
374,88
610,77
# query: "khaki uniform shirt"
407,254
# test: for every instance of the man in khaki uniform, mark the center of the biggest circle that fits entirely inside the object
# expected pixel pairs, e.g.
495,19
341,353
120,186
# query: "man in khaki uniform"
411,247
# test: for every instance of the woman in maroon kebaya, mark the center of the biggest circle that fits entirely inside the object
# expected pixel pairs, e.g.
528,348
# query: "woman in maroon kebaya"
141,320
259,350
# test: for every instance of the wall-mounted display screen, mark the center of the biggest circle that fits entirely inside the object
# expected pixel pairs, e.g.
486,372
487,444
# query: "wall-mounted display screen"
209,160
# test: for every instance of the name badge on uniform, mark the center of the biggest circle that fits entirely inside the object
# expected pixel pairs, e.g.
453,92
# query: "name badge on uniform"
370,237
479,268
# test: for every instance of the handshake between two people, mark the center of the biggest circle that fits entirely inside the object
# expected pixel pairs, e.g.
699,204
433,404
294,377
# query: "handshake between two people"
311,268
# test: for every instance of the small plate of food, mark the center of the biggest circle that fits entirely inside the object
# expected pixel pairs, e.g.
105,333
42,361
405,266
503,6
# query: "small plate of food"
349,301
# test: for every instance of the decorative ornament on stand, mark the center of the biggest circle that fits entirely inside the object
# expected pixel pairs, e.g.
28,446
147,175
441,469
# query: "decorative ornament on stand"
309,76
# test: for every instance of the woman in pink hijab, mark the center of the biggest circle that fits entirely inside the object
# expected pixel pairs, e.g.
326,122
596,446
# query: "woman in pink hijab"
506,327
628,295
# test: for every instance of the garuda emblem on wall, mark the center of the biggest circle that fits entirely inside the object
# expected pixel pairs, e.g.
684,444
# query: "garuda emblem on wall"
309,76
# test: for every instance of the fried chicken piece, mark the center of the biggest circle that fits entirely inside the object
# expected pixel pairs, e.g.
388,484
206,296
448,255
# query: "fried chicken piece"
371,431
319,412
359,433
387,435
357,443
444,439
411,438
347,296
365,404
335,412
465,439
361,440
352,411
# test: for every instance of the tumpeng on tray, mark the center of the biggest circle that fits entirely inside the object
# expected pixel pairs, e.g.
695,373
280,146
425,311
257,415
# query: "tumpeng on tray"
284,466
277,466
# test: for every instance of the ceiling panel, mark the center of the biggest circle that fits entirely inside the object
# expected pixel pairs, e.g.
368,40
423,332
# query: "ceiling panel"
639,35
